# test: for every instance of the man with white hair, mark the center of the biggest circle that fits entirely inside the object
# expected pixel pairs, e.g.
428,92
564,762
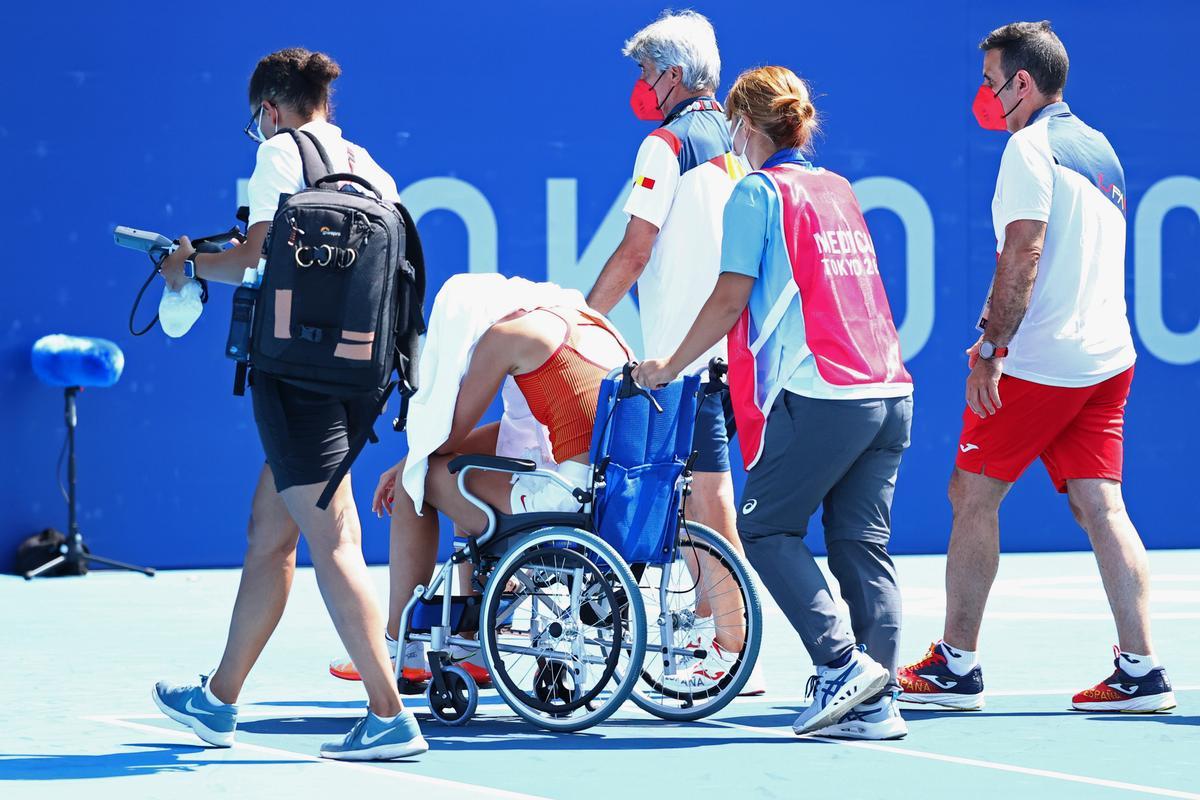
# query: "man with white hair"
684,172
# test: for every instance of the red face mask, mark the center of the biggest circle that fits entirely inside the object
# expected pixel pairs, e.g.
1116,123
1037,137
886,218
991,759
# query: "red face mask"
644,102
989,111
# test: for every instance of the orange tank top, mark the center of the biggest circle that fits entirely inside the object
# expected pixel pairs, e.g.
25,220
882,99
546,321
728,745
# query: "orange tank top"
562,392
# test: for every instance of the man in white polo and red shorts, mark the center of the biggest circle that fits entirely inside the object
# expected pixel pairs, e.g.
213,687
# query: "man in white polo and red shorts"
1049,376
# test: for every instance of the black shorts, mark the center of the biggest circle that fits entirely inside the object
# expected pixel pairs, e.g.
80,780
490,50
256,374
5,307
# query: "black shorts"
711,441
305,434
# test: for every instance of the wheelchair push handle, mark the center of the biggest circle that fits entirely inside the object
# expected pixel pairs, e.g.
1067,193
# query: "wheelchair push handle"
717,372
629,387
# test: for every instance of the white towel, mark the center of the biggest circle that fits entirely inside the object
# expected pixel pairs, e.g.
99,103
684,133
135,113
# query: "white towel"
464,309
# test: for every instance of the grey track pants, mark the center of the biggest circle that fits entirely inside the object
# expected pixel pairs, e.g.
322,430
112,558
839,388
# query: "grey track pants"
842,455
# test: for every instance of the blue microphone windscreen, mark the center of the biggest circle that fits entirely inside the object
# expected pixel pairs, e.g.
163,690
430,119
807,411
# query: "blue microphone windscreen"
61,360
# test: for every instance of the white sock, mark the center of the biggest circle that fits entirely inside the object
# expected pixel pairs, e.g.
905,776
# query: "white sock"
386,720
212,698
960,661
1137,666
391,644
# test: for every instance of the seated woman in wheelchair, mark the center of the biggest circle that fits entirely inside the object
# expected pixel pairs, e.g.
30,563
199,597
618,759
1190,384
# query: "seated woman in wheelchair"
557,356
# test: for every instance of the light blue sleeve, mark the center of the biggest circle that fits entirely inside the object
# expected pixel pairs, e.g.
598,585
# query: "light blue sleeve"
744,232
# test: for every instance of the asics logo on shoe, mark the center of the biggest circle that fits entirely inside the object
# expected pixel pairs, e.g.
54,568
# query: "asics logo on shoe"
938,682
191,709
749,506
1123,688
968,447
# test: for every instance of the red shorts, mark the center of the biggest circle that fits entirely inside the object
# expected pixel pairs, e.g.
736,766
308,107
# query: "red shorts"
1077,431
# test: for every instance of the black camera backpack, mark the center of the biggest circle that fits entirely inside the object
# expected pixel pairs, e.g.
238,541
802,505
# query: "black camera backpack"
341,301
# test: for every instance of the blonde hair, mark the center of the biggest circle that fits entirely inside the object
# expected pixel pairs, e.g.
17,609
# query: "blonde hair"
778,103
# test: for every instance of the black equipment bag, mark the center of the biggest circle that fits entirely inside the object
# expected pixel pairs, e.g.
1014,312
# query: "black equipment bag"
341,301
43,547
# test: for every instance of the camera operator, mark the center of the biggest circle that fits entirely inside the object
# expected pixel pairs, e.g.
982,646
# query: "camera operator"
305,435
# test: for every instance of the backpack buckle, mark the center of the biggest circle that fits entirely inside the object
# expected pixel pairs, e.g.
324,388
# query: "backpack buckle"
310,334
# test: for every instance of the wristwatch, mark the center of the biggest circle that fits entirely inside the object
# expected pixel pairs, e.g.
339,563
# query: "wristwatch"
988,350
190,262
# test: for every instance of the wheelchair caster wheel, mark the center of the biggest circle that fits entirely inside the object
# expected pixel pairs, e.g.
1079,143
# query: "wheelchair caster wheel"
456,705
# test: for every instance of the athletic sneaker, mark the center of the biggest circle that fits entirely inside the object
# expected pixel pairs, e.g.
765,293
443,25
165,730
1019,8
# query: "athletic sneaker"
837,690
414,670
189,705
701,673
931,680
373,739
756,684
472,661
875,721
1123,692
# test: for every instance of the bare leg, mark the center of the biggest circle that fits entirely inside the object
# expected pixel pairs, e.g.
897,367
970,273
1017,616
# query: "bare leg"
711,505
267,572
974,554
335,542
414,537
1100,510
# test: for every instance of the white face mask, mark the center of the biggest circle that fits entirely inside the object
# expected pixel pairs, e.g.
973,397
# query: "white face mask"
742,155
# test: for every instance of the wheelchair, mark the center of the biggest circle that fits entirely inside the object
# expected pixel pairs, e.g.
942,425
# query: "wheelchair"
695,586
562,620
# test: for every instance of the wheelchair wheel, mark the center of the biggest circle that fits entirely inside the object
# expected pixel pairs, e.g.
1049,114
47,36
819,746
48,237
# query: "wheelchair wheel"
704,593
572,615
456,705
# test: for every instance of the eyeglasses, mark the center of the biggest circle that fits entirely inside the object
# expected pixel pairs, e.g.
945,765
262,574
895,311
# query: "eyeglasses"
253,128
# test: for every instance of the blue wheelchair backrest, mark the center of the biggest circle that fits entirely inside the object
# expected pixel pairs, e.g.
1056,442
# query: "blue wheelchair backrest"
641,453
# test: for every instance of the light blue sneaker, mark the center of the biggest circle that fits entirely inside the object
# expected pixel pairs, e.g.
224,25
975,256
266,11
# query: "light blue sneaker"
188,705
836,690
873,721
372,739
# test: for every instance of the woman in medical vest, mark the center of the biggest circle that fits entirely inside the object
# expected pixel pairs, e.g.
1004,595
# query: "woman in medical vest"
822,400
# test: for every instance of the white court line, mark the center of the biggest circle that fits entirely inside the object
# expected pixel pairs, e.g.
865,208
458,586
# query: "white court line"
419,782
971,762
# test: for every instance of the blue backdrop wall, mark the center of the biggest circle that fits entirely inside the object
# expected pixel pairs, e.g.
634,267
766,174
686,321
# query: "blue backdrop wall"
508,130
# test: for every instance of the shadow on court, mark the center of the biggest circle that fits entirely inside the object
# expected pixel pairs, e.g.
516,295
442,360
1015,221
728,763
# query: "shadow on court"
517,735
150,759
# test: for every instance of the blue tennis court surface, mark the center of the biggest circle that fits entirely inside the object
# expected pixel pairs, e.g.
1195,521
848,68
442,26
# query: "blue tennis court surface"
80,657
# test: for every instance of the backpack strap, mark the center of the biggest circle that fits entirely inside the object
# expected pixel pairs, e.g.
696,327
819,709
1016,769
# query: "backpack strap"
407,341
356,445
313,157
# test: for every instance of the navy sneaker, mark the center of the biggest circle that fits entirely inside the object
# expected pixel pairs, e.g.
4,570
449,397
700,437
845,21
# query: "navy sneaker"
372,739
837,690
1123,692
189,705
931,680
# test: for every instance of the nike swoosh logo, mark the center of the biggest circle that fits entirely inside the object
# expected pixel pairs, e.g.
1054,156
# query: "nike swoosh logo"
966,448
367,739
1120,687
523,502
191,709
936,681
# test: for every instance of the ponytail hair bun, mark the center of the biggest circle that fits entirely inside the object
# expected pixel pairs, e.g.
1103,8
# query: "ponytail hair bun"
778,103
296,78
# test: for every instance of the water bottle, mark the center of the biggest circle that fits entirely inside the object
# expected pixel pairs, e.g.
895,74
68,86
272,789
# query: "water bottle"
241,320
178,311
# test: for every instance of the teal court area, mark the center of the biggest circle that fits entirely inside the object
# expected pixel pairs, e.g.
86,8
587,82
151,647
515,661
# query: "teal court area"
80,656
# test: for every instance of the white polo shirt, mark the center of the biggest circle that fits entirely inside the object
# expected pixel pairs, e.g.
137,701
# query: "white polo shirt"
683,175
1059,171
279,169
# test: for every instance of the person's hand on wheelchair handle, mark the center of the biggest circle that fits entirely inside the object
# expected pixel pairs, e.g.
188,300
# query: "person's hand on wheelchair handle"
655,373
385,491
